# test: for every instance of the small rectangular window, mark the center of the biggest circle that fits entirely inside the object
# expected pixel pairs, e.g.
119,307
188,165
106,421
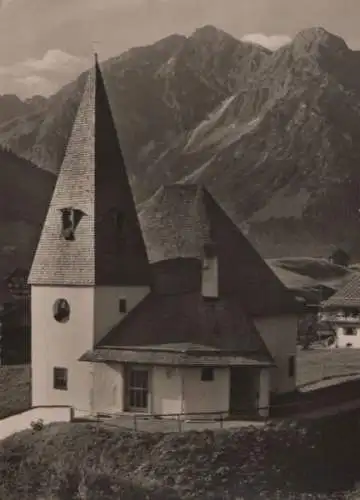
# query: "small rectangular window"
60,378
207,374
350,331
122,306
209,255
292,366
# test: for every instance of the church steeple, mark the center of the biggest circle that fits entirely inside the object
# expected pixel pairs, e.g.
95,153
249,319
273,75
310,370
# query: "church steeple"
92,235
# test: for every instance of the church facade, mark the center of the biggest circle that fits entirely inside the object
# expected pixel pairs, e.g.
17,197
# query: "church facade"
169,312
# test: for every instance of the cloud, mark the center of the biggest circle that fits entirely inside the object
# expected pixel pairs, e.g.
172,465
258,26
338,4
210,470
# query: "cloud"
43,75
54,61
57,61
35,85
271,42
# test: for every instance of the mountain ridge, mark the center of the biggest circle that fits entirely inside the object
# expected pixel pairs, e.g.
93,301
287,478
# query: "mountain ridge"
274,136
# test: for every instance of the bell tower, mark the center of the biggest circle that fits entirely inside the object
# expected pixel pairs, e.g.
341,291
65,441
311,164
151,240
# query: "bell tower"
90,267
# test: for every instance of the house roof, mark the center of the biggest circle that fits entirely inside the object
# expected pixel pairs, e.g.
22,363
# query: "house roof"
108,248
188,324
347,296
181,219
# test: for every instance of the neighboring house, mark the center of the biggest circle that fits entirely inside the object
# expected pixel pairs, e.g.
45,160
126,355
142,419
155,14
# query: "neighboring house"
342,312
191,320
17,283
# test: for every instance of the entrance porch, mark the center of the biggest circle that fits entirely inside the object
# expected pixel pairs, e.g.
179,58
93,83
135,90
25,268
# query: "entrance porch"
189,392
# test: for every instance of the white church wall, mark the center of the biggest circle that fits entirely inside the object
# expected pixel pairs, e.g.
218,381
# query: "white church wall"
108,384
279,334
107,302
60,345
210,277
264,392
166,390
206,396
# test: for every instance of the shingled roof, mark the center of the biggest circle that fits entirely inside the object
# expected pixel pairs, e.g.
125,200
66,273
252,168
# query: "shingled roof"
107,248
177,224
189,325
347,296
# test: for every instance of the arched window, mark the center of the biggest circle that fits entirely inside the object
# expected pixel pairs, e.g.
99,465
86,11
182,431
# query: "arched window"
61,310
70,218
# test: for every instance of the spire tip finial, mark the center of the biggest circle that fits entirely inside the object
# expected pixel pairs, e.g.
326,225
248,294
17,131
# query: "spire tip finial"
96,54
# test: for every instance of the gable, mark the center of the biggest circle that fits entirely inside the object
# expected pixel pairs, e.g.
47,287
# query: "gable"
181,221
243,271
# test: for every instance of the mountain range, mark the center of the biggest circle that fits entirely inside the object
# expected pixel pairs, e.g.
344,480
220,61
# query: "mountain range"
275,136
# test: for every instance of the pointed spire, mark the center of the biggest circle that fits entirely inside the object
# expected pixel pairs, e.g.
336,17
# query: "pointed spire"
92,235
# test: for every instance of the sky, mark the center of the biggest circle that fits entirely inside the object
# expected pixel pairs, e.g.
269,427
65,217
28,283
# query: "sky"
47,43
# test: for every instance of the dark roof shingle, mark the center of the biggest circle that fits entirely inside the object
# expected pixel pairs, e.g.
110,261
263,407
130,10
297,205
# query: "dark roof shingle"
188,323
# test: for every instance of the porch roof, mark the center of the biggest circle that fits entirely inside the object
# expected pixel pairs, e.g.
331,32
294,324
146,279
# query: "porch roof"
190,356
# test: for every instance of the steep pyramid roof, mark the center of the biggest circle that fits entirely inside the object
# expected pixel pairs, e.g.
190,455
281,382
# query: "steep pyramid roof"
91,235
182,219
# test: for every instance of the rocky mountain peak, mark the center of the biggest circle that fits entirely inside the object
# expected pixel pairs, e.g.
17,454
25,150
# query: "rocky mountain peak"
274,136
317,40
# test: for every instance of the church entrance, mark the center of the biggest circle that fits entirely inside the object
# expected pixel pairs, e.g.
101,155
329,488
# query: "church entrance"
244,390
137,390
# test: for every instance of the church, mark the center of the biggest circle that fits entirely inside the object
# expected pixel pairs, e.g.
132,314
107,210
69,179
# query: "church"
167,312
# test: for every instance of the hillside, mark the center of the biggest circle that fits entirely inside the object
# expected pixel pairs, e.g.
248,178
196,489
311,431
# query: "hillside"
83,460
275,136
15,389
11,106
313,279
25,191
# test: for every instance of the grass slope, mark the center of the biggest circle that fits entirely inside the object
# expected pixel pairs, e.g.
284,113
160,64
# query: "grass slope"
321,364
90,461
318,269
83,460
310,277
15,389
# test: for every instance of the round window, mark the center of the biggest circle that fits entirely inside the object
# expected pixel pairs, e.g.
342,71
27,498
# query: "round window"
61,310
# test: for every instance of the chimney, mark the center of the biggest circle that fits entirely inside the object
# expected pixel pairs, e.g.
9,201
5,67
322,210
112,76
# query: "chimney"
210,279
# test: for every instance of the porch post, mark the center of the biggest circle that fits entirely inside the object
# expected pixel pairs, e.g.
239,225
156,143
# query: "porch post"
264,392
